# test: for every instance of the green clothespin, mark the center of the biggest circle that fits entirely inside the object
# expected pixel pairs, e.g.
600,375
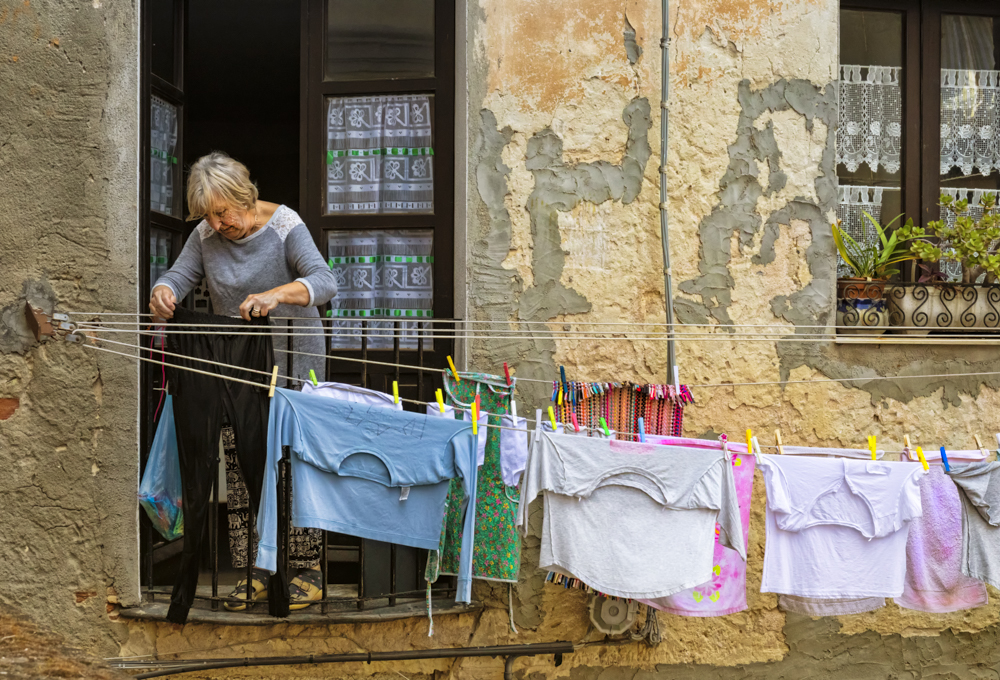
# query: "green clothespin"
312,376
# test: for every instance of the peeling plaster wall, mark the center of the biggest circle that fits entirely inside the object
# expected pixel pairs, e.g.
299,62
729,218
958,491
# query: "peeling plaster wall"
68,154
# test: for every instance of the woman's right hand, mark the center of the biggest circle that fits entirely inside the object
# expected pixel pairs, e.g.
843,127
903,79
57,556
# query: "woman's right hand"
162,303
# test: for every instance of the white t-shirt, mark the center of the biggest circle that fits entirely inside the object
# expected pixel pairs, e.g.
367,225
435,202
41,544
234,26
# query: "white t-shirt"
837,528
351,393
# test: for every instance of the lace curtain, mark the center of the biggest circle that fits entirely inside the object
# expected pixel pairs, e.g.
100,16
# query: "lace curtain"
852,203
163,143
970,121
870,117
379,154
381,276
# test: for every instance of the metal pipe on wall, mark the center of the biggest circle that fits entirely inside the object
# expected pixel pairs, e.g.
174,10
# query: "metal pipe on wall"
664,234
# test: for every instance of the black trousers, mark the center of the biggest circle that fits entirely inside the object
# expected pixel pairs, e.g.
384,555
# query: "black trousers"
200,404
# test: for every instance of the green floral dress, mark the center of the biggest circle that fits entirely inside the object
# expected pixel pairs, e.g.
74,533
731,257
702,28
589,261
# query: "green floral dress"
496,549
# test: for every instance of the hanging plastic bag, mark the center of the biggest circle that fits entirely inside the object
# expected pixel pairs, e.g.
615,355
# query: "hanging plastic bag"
160,491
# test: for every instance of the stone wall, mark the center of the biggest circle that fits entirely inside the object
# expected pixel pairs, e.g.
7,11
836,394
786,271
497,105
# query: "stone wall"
68,219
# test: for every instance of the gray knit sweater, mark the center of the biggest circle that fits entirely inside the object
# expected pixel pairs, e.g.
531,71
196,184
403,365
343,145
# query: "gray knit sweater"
278,253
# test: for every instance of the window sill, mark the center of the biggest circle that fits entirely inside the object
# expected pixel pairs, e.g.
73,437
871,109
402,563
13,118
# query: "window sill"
346,612
912,340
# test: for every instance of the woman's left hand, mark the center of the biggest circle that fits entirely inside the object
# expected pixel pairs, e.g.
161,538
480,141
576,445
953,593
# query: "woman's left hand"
259,304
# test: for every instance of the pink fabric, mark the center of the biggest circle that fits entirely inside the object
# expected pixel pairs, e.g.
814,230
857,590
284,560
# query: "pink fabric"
726,593
934,579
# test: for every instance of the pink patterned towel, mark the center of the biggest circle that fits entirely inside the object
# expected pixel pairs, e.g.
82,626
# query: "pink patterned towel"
726,593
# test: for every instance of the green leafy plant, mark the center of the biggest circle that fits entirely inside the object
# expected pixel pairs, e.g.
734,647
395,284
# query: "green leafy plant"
873,260
973,243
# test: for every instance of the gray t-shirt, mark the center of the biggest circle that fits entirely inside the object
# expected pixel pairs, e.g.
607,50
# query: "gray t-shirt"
630,520
278,253
980,487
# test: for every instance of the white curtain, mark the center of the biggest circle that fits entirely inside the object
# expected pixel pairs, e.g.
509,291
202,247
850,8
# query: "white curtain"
970,121
382,276
852,203
870,117
379,154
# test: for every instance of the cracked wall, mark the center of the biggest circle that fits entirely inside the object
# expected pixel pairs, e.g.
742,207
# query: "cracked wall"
67,242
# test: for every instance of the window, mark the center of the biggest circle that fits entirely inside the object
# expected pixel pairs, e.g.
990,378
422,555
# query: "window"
919,110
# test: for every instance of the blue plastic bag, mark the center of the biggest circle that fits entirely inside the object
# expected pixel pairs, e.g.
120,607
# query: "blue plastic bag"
160,492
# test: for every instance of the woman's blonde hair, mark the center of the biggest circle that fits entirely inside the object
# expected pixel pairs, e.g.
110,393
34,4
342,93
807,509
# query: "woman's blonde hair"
218,180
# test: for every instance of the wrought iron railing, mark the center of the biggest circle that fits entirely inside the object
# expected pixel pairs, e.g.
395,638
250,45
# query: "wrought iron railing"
922,308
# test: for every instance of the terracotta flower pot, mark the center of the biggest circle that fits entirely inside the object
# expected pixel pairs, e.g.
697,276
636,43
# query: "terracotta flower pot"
855,289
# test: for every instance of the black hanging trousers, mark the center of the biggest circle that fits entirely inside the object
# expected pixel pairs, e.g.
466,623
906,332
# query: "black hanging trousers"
200,402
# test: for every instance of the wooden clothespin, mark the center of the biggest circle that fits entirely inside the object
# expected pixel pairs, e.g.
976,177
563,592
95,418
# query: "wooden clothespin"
451,365
274,382
982,449
395,392
923,461
871,446
604,426
944,459
312,376
576,425
777,439
440,400
642,431
506,373
552,419
906,442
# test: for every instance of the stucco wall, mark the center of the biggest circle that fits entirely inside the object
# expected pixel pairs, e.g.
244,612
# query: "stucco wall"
68,220
562,226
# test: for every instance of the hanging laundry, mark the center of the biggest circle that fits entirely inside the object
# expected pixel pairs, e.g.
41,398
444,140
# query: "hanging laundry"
837,528
812,606
496,551
934,579
979,484
513,448
200,403
726,592
630,520
466,416
378,473
351,393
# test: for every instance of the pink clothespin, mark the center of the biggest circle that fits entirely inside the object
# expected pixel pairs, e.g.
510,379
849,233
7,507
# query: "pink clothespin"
576,425
506,373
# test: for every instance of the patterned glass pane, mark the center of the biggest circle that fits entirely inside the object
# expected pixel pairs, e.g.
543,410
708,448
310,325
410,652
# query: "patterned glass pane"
164,171
379,39
380,154
382,276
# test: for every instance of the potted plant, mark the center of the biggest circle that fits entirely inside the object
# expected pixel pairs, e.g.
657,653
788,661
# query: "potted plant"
861,307
975,244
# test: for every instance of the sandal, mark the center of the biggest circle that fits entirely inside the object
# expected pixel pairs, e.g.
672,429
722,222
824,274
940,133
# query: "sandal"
305,589
260,580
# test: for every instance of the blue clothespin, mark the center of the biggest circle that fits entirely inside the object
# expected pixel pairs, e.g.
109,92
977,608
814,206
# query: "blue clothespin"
562,377
944,459
642,431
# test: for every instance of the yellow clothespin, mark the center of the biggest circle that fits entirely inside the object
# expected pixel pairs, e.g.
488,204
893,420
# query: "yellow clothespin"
777,439
395,392
923,461
559,400
871,446
749,442
451,364
475,419
312,376
274,381
552,419
437,393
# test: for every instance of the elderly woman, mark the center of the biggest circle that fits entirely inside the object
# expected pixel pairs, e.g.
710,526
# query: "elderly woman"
257,258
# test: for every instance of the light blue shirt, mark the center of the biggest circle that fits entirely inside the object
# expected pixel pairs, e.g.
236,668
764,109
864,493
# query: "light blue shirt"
368,471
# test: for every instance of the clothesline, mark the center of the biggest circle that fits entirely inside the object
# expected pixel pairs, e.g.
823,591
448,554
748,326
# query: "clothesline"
301,380
439,333
698,385
525,322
